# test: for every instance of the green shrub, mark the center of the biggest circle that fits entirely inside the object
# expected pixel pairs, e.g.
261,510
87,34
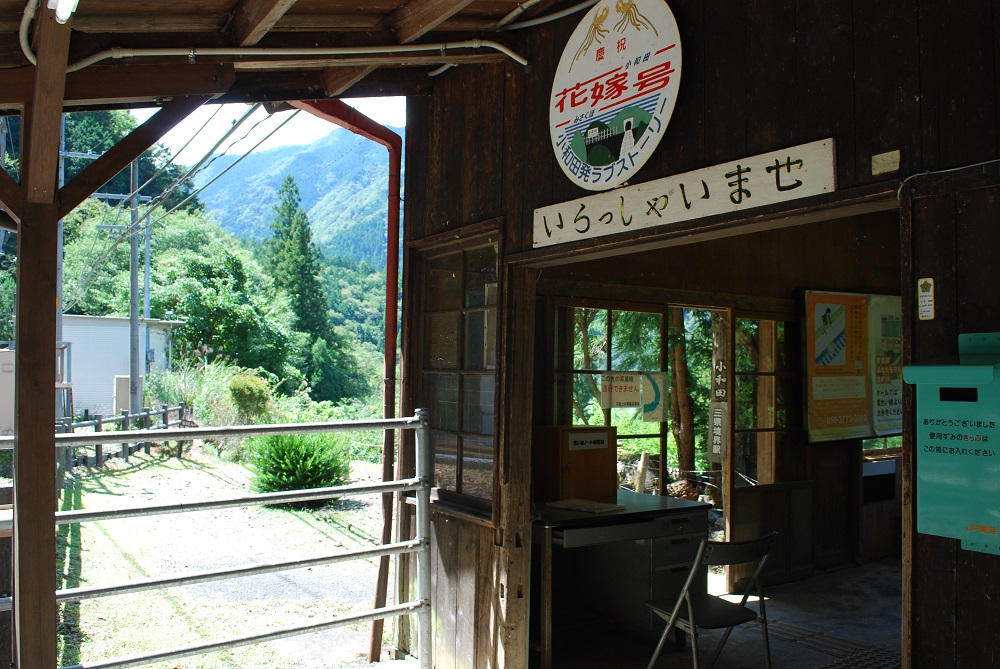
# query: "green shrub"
297,461
252,396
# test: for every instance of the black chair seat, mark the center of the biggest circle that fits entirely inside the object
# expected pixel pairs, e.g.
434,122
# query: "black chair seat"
710,611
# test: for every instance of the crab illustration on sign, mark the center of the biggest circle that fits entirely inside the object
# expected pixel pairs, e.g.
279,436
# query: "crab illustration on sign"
614,91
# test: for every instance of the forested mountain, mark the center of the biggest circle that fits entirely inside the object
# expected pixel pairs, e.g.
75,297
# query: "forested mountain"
343,182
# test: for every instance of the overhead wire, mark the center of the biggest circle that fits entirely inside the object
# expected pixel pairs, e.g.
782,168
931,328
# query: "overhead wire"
201,164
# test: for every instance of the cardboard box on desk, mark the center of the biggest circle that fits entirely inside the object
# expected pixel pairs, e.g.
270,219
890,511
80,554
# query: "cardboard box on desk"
574,462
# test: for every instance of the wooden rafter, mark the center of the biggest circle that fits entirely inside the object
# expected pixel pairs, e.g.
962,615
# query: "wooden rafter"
118,84
418,17
254,18
124,152
337,80
40,159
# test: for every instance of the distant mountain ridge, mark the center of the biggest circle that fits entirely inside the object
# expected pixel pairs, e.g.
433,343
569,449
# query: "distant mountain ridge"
343,180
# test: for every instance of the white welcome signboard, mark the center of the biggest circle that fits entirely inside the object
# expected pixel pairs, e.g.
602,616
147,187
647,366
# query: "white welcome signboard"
614,91
769,178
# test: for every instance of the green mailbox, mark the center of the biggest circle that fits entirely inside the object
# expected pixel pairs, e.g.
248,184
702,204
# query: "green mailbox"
958,443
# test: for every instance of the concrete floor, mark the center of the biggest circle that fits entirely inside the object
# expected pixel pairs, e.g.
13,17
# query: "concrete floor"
842,619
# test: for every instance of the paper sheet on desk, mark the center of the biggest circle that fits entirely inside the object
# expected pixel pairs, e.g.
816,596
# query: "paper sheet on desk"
587,505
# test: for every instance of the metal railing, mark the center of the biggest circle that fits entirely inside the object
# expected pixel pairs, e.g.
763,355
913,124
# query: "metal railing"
142,420
420,545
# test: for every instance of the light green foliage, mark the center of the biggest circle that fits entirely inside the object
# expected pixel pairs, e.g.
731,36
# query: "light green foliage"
293,261
365,446
200,384
252,395
357,299
296,462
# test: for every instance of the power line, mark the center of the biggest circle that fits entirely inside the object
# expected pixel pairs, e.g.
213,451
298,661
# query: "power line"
158,201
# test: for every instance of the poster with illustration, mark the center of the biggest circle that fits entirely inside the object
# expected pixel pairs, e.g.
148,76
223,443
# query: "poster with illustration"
837,366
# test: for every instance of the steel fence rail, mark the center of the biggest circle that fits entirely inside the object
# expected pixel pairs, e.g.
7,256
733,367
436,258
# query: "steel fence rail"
420,545
248,639
191,578
313,495
231,431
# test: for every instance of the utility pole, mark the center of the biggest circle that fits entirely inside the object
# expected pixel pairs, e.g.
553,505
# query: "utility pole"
63,154
135,392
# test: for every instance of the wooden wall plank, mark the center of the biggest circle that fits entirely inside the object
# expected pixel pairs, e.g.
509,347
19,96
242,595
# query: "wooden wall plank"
726,81
977,589
682,148
887,85
931,590
837,495
977,582
516,163
958,82
487,621
547,61
780,261
445,593
464,581
482,158
771,59
977,238
934,605
418,189
825,101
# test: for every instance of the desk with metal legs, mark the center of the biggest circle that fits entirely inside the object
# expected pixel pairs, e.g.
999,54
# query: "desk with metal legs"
663,531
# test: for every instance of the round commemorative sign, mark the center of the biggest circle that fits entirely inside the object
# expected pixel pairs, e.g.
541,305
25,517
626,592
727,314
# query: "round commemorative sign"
614,91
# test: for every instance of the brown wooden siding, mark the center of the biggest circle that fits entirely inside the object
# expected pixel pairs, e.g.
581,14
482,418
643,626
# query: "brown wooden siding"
918,76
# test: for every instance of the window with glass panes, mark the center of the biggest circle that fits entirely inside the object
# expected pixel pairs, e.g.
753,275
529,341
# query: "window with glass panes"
592,341
458,368
764,376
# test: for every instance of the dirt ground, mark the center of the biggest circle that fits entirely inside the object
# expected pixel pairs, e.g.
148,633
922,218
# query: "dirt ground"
120,550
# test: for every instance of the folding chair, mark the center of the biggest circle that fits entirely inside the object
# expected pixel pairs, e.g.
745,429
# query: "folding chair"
694,609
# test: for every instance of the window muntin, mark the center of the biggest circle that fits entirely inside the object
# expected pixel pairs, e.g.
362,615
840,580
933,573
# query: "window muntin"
458,381
605,340
763,379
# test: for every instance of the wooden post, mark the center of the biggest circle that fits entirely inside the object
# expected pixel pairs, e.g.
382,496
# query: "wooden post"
34,450
640,472
181,417
146,424
99,448
126,447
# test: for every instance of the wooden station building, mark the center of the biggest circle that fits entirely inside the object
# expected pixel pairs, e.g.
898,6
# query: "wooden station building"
894,103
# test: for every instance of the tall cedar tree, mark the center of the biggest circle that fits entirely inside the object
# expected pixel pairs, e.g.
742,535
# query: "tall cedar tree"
294,264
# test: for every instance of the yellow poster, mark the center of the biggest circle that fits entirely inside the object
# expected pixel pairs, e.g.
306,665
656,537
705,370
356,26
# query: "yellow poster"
837,366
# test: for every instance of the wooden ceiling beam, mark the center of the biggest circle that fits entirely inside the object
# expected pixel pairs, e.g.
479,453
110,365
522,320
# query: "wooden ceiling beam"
336,80
124,152
40,156
254,18
418,17
134,82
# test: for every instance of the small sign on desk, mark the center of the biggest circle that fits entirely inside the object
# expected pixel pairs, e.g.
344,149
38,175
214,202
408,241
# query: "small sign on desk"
585,441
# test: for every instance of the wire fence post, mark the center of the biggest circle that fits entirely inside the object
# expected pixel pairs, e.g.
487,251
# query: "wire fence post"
99,448
425,468
126,447
147,423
